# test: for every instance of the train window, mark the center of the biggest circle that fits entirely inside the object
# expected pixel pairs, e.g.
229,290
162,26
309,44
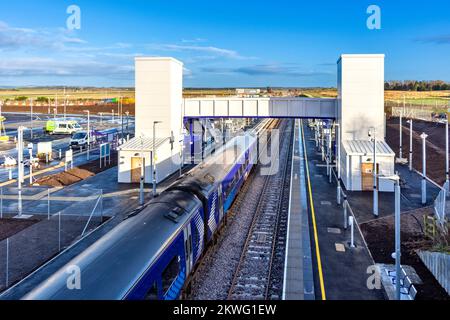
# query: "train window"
190,243
170,273
152,293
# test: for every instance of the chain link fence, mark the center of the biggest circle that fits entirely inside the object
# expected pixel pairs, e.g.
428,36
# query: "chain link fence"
50,221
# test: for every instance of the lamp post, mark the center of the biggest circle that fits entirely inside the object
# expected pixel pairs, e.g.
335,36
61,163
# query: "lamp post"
397,254
400,153
21,168
142,179
128,117
31,118
424,167
410,121
154,157
446,156
1,105
88,132
65,103
372,135
338,162
121,120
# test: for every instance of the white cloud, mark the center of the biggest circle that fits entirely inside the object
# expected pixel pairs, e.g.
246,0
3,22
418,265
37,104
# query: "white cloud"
227,53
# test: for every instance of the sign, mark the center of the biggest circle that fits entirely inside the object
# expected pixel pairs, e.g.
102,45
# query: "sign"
44,148
69,156
105,150
69,159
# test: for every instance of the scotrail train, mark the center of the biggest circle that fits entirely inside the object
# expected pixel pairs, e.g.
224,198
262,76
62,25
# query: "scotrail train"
153,254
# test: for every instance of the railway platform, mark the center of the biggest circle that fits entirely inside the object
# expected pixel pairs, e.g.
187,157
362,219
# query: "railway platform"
298,273
340,271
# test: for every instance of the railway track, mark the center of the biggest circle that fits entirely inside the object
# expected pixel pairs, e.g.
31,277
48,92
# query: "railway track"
259,273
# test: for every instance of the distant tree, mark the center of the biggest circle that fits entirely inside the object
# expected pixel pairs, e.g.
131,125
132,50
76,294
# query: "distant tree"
413,85
21,98
42,99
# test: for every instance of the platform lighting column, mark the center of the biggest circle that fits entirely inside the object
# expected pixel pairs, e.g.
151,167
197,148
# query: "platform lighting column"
30,150
400,153
123,136
330,156
338,162
1,105
56,105
21,168
424,167
141,189
410,121
372,134
88,132
65,103
154,157
31,118
397,238
385,125
446,156
128,117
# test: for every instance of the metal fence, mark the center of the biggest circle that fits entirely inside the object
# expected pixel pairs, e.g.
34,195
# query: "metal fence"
49,224
440,207
421,112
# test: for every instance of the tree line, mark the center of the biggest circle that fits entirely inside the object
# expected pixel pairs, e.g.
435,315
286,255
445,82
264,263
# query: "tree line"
413,85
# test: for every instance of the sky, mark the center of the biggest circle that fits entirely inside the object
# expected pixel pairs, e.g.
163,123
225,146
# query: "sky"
221,43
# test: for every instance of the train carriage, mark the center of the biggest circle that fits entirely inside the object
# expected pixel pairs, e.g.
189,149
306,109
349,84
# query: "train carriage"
151,255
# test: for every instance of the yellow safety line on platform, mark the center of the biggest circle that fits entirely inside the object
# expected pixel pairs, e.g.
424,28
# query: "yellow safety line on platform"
313,214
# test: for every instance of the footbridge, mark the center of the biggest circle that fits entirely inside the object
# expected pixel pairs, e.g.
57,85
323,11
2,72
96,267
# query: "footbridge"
292,107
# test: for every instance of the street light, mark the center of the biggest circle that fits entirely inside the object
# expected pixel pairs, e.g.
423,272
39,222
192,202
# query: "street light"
400,153
372,135
424,167
31,118
154,157
88,132
446,156
397,253
65,103
142,178
128,116
338,162
410,121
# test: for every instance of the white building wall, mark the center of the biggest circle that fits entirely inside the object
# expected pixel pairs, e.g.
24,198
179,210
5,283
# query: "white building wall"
361,96
159,90
168,162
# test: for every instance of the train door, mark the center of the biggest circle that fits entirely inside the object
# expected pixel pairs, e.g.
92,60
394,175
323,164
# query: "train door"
188,249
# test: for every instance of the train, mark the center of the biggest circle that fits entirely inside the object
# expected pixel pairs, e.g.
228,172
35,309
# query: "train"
153,254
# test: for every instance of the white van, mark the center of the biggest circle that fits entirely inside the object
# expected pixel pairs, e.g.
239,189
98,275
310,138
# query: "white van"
62,127
79,139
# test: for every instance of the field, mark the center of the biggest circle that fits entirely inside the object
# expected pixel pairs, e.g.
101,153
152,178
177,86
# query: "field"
439,99
71,93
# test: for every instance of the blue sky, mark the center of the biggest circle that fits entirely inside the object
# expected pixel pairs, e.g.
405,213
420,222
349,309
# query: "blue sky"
222,43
